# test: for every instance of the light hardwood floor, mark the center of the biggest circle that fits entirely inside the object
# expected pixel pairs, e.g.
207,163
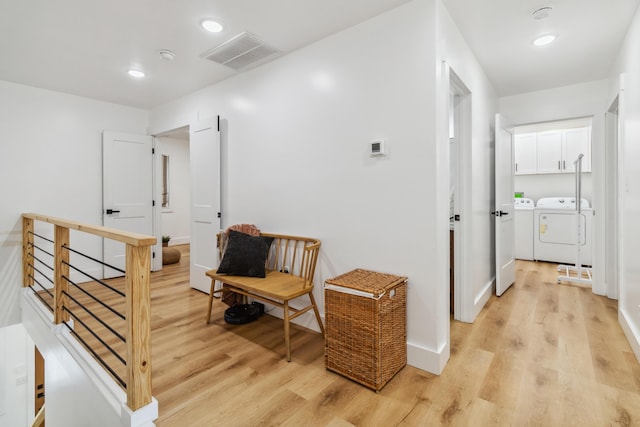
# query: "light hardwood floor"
541,355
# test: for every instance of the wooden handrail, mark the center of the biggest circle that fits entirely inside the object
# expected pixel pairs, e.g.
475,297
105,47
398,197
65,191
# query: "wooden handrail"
137,292
133,239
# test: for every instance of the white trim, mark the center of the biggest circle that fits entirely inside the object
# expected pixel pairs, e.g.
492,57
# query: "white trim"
427,359
463,287
306,320
482,298
185,240
632,334
611,212
156,229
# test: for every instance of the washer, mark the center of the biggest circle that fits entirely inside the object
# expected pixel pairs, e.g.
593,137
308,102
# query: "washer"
555,231
523,225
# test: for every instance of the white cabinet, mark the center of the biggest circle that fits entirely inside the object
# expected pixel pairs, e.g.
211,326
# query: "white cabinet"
552,151
526,153
575,142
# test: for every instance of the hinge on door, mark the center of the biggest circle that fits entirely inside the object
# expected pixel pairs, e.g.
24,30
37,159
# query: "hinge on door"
153,255
153,151
153,203
219,215
218,123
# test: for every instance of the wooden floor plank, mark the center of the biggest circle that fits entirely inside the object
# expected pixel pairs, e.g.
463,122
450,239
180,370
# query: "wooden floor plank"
543,354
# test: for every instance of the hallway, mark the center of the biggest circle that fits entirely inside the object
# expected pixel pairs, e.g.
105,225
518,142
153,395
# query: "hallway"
542,354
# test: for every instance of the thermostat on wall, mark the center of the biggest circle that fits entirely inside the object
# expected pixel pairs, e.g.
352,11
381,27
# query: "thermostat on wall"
377,148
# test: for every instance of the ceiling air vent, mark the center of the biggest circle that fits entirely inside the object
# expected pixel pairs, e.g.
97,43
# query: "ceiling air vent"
240,51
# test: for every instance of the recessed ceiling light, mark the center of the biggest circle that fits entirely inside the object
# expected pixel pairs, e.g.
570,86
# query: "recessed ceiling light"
544,40
211,25
136,73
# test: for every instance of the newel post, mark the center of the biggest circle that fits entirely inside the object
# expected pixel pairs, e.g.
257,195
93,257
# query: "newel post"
27,252
138,295
60,270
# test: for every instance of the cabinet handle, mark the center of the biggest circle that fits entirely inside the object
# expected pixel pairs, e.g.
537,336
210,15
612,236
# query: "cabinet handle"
516,167
564,164
558,164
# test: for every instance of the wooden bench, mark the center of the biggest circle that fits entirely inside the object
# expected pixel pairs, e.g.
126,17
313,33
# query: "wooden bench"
291,264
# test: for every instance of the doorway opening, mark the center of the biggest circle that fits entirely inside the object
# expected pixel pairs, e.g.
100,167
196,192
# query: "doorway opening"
174,187
545,186
459,162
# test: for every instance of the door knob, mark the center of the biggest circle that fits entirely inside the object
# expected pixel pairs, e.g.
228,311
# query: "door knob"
111,211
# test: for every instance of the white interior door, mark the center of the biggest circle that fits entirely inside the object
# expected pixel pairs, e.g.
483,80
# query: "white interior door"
504,208
204,151
127,191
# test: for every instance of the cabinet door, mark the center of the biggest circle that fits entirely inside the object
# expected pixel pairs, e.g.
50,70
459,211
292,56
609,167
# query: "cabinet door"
526,153
575,142
550,151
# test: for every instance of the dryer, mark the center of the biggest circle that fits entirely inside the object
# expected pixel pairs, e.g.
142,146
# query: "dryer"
523,226
555,230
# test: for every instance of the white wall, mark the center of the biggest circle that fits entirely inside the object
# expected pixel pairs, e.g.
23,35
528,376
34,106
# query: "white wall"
13,376
553,185
294,157
51,163
569,102
295,154
177,218
477,226
628,65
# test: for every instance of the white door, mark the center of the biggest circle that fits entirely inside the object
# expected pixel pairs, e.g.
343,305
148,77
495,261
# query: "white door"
127,191
504,209
204,148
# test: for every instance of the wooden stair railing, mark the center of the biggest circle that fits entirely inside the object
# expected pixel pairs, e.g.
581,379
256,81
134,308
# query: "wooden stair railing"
137,290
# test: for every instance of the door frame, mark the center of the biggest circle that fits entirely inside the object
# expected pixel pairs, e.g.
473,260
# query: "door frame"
611,208
462,288
156,250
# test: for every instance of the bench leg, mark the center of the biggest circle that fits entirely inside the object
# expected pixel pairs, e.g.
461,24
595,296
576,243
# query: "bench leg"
213,283
287,341
315,310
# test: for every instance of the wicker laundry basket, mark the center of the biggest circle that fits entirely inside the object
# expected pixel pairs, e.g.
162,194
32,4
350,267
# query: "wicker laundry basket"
366,326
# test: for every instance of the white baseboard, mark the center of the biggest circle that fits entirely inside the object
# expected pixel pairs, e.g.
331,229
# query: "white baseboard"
185,240
427,359
419,357
480,301
306,320
630,331
469,315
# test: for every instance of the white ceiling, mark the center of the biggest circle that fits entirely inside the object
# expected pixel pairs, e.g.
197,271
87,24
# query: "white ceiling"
500,33
85,47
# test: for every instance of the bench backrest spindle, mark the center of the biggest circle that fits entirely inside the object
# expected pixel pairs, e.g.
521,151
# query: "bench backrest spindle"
294,255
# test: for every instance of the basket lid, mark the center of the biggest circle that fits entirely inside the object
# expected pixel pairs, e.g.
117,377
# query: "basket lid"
368,281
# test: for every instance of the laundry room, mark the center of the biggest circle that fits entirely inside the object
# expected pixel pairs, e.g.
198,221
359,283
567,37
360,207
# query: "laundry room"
551,160
553,127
